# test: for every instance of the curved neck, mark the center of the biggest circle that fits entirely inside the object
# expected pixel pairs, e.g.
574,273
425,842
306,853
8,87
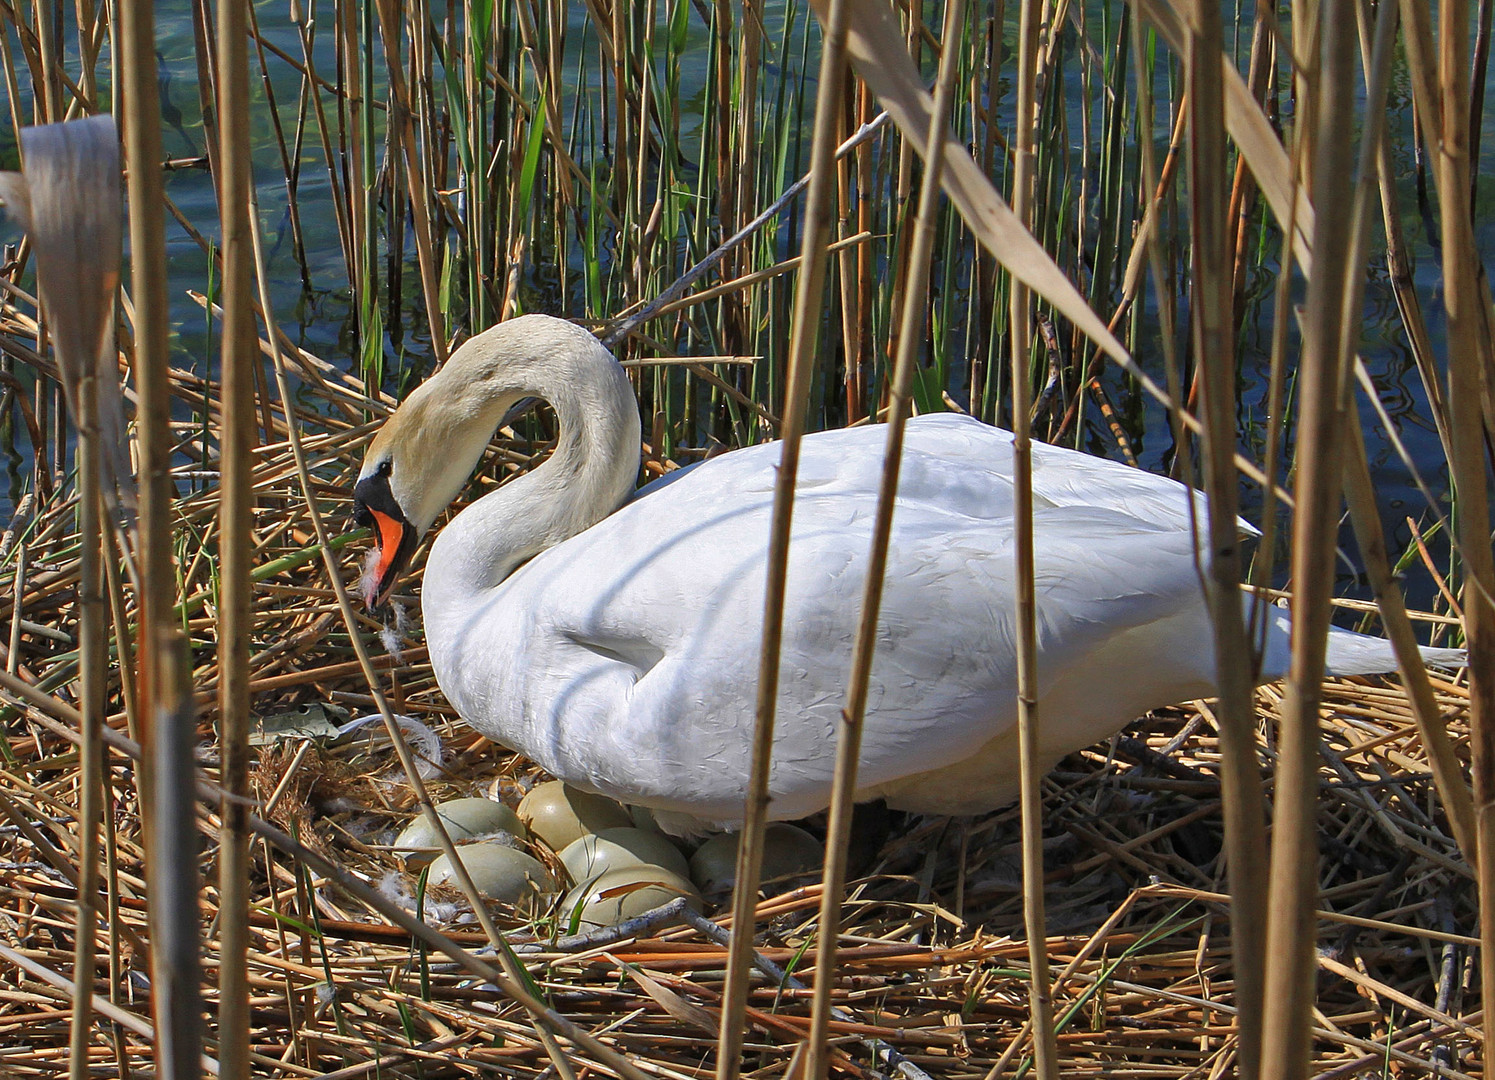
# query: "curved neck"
591,472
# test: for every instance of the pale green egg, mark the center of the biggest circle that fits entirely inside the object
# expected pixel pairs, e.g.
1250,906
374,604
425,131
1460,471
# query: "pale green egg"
622,894
593,854
788,852
464,819
558,813
500,873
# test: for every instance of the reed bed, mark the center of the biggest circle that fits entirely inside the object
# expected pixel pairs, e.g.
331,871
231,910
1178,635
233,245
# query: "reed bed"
416,172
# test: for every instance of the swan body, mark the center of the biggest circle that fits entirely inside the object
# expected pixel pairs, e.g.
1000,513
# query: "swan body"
613,637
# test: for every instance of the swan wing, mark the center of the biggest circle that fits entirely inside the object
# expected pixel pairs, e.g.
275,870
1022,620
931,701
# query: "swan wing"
626,659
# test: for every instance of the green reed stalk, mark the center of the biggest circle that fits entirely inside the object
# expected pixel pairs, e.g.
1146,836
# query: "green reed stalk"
750,58
730,143
311,97
355,68
475,155
290,159
401,105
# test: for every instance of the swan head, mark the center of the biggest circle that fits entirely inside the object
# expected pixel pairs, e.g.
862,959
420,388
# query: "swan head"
418,462
396,537
387,498
424,453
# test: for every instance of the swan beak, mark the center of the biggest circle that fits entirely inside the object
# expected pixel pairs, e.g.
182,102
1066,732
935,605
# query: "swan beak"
375,506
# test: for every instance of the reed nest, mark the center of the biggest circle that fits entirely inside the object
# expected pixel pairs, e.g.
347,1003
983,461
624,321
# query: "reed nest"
933,961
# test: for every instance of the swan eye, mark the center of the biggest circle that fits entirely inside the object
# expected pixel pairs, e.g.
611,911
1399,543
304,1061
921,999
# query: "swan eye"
385,468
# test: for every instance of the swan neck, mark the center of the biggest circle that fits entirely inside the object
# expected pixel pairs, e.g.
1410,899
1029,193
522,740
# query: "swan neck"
589,474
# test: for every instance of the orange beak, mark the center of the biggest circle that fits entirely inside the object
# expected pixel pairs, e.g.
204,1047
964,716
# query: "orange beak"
390,563
374,505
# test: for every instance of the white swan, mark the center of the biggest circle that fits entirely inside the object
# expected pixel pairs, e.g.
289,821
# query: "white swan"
613,638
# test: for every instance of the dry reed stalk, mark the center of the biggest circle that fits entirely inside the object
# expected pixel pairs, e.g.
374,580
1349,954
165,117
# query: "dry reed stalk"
240,357
1470,358
1453,790
212,795
1040,991
49,102
68,201
1276,397
165,717
900,403
1235,659
1323,381
93,659
928,987
926,984
1399,270
401,109
1167,1014
732,146
803,338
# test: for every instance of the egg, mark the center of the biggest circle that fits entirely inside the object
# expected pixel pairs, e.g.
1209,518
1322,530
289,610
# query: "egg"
593,854
643,818
464,819
500,873
558,813
622,894
788,851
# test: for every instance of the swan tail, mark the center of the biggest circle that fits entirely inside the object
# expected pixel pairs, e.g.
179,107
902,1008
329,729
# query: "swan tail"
1348,653
1357,654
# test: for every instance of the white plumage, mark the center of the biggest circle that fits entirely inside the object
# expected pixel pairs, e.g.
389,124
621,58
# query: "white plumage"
622,653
